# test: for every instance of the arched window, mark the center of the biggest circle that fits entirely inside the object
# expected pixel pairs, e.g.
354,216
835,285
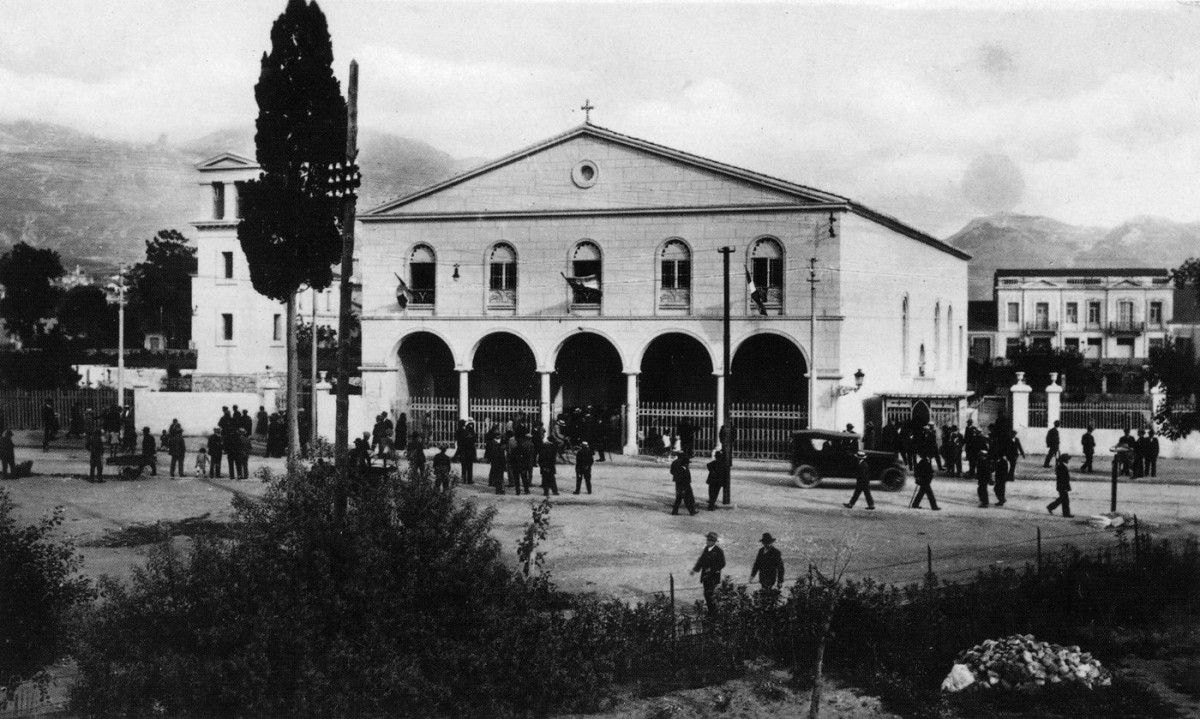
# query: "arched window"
766,268
921,361
950,337
502,276
675,280
422,274
586,274
904,336
937,336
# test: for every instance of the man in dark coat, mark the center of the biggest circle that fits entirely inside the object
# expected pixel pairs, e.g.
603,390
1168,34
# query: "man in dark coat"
862,486
983,477
584,458
971,437
687,436
1126,458
229,440
1141,446
464,450
954,449
8,454
1013,450
547,459
889,438
1062,483
261,422
717,471
1000,476
710,564
1052,444
150,451
924,478
49,425
1151,453
216,448
682,476
768,565
177,451
95,449
1088,441
494,454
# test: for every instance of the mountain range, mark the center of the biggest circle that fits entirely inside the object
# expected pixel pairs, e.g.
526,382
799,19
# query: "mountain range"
95,201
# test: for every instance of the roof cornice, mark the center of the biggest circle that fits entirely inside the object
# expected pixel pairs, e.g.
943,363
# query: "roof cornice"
612,212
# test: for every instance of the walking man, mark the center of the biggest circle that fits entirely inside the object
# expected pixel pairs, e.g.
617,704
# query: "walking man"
584,459
768,565
717,471
983,477
862,485
1014,448
1001,475
1088,440
924,477
683,484
710,564
1062,483
1051,444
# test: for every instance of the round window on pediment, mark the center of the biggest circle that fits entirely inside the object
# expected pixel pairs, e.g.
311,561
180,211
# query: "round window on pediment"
585,173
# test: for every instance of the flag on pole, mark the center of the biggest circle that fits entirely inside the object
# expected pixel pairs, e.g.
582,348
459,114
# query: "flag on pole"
759,296
403,293
587,288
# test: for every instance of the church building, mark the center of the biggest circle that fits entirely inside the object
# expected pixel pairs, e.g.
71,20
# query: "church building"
587,270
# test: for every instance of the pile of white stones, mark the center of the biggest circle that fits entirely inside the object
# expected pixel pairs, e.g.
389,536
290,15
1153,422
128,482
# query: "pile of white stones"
1020,662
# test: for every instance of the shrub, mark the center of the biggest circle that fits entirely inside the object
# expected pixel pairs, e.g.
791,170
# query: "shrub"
38,590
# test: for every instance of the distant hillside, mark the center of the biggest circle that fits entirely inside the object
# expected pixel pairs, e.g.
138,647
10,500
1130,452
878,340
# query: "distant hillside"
95,201
1029,242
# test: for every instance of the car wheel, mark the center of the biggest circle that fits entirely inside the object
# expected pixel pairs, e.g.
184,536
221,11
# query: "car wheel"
893,479
806,476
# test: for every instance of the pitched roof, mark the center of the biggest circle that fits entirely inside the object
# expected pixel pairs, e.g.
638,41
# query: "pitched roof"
800,192
1086,272
225,161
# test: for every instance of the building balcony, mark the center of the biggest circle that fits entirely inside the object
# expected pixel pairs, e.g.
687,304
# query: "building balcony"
1126,328
1041,327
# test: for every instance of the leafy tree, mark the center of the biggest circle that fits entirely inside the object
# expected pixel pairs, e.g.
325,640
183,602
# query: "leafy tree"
86,318
40,586
30,294
160,288
289,229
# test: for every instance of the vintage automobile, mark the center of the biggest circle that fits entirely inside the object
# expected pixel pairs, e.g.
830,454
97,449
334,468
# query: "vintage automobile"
820,453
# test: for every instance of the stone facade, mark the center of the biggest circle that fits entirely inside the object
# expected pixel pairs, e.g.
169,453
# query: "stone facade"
889,299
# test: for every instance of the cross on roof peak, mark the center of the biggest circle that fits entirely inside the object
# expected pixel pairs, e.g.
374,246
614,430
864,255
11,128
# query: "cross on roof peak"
587,108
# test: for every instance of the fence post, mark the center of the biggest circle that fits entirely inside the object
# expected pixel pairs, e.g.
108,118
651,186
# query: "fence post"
1039,550
929,563
1020,403
1053,400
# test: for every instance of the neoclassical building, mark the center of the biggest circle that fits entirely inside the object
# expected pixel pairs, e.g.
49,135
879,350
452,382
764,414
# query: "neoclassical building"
466,297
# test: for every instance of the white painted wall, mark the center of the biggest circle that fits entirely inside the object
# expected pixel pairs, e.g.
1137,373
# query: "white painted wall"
198,412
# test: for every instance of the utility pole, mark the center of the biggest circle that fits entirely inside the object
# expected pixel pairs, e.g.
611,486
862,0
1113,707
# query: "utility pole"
349,202
312,386
812,340
727,446
121,335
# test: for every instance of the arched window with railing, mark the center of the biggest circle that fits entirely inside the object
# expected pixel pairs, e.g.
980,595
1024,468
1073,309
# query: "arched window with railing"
422,275
587,267
766,272
675,276
502,276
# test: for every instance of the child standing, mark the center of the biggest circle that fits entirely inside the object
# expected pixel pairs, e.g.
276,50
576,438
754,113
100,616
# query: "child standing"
202,462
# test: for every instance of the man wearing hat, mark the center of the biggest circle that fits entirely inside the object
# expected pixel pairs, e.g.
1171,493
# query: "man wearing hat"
710,564
768,565
441,467
862,486
983,476
464,451
683,483
1063,484
584,459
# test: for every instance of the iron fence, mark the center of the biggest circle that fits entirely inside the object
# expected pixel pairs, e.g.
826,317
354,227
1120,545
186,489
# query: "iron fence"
436,418
1037,411
490,411
1108,414
663,419
22,409
764,431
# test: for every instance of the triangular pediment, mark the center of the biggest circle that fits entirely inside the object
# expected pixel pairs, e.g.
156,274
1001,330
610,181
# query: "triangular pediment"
1041,284
1125,285
591,169
226,161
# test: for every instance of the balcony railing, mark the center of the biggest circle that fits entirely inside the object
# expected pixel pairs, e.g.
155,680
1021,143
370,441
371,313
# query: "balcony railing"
1041,326
1126,327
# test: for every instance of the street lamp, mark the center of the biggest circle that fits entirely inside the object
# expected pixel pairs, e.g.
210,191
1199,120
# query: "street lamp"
843,390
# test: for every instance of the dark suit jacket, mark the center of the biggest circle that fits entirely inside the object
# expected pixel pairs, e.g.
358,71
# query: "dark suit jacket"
710,564
768,565
1062,478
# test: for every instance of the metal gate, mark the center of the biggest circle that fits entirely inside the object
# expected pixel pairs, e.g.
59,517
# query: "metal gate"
436,418
764,431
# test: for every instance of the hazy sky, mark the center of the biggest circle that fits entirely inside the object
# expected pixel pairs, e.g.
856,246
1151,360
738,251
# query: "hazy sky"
936,113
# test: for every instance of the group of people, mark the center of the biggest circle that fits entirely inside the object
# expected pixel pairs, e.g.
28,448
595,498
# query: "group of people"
681,475
767,567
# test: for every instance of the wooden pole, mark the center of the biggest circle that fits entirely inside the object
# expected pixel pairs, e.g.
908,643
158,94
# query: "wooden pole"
1039,550
929,561
341,441
312,392
729,429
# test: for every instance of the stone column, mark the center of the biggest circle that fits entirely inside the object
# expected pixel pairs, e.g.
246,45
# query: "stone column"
544,406
1053,400
1020,403
631,413
464,396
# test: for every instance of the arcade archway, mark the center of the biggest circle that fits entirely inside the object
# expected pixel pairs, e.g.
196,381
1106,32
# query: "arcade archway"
768,369
677,368
426,367
587,371
504,368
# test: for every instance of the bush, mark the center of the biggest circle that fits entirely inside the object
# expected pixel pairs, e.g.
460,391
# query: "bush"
37,593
